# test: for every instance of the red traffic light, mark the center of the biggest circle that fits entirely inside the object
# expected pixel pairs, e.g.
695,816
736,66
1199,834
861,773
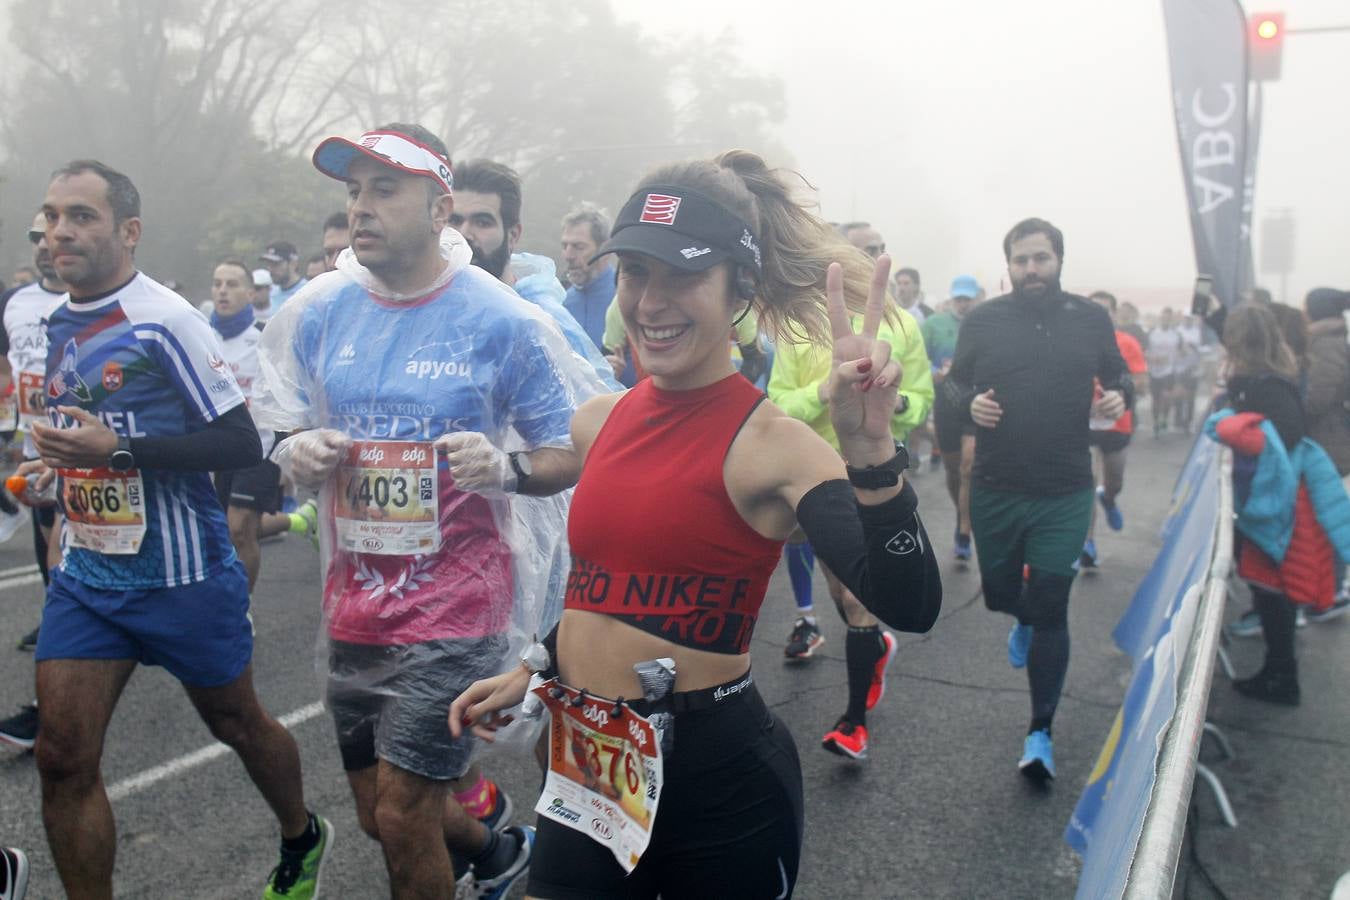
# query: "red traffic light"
1265,45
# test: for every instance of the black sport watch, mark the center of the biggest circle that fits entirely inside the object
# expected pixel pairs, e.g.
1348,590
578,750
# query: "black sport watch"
520,464
885,475
121,459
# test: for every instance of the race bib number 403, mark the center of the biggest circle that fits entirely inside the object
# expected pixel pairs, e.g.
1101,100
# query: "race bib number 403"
604,772
104,510
387,501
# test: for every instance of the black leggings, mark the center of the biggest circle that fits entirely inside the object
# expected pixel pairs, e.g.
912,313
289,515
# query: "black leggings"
729,823
1277,615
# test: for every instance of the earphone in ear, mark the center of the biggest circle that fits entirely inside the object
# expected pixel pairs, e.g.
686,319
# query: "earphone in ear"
746,286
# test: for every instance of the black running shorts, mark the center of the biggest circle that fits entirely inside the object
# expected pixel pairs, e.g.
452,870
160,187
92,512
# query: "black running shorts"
257,488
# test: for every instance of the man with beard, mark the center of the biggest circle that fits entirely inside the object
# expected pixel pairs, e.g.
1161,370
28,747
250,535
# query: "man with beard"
487,212
1024,369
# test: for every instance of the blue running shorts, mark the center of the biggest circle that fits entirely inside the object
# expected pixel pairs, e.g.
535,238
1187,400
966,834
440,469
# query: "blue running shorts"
200,633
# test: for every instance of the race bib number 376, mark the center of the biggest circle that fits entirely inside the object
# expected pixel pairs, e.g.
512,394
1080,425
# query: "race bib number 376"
604,772
387,502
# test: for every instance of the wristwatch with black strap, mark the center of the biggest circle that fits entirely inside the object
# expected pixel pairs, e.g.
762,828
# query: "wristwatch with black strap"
121,459
883,475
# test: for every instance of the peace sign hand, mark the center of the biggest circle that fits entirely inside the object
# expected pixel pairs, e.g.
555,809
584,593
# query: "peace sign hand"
864,379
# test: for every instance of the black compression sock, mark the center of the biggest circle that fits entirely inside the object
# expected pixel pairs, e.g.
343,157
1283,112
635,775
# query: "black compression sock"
305,841
862,648
497,855
1047,664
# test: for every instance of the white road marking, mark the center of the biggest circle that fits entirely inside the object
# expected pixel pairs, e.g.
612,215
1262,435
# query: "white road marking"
20,581
139,782
19,570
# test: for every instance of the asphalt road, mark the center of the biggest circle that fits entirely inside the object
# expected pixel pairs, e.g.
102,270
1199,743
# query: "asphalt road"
937,811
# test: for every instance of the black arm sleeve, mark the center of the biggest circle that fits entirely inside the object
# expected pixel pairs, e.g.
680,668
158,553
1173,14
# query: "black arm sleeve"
881,553
230,442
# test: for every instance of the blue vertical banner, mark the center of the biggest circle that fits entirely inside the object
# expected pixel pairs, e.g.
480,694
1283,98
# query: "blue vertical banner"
1207,50
1155,631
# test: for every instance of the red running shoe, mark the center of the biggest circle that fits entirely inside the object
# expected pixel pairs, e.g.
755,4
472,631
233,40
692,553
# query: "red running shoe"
847,739
878,688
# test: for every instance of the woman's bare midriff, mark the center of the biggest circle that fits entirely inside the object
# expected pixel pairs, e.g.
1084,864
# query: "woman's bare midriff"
597,652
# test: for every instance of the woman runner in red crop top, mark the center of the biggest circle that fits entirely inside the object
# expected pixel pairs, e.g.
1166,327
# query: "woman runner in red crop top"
690,483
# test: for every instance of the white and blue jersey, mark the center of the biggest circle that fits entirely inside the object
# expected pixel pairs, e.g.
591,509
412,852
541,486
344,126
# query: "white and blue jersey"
146,363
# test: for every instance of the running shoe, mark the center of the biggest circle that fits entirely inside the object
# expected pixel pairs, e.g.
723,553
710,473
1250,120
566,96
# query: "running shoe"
21,730
847,739
1038,757
1088,558
1337,609
499,817
1246,625
961,548
496,887
13,873
877,689
1113,515
1270,687
28,642
804,640
1019,645
299,875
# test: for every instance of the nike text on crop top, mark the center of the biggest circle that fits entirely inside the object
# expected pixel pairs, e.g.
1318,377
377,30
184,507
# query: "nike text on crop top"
655,539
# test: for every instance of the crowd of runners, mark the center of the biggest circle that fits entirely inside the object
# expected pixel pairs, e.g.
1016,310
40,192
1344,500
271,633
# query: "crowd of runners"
544,504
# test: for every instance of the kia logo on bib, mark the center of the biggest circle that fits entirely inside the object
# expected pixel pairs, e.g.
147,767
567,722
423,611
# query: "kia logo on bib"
659,209
602,829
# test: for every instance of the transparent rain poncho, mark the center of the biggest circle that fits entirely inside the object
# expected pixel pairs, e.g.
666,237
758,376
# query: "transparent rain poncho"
408,557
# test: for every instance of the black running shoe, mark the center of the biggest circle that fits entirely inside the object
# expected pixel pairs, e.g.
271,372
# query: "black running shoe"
21,730
28,642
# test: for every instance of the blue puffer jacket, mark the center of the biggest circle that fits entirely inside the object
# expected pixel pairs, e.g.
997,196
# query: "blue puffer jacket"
1266,517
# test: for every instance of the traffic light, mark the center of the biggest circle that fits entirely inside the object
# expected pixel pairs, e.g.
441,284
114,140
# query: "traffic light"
1265,45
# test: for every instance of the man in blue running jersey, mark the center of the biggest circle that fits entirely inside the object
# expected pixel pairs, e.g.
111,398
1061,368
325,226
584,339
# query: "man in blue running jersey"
141,407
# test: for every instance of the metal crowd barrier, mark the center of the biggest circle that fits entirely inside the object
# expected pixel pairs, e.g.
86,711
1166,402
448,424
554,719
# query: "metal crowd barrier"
1153,869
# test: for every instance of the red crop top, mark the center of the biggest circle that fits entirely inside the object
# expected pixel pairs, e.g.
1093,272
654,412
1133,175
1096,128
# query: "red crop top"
655,538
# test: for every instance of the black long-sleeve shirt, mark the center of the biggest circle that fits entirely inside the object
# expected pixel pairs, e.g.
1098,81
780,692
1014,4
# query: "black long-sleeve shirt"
1040,355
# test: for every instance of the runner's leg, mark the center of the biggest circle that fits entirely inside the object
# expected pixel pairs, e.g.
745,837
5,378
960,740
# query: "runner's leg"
413,822
963,497
268,751
244,525
77,697
863,647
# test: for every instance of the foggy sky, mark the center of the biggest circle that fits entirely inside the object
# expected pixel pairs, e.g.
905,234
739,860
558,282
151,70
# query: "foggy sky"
945,121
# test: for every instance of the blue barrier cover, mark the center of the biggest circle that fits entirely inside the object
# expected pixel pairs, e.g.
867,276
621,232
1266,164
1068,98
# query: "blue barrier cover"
1155,631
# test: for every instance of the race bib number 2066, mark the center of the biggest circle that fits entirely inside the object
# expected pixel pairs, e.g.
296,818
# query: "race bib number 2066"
105,510
387,502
